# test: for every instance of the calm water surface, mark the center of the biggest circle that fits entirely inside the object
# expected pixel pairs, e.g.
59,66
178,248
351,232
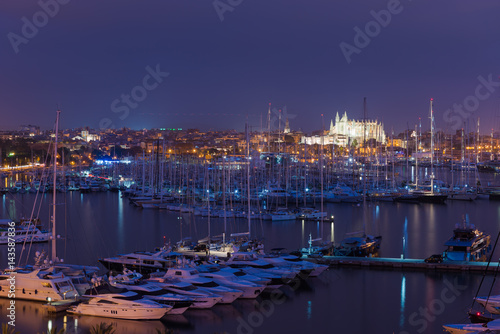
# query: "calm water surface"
342,300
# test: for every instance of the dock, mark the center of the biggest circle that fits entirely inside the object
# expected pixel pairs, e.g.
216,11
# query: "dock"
59,306
406,264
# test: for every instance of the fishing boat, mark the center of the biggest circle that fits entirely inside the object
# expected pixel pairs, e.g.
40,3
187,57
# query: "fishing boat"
467,243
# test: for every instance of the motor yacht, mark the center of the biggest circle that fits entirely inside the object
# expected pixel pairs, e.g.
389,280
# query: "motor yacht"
110,302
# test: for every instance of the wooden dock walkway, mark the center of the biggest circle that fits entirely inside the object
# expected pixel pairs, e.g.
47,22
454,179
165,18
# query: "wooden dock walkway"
406,264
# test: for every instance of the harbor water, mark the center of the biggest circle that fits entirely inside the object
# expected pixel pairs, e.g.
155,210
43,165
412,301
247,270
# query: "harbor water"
341,300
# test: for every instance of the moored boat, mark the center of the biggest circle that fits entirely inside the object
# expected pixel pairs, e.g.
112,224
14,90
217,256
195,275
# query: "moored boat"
467,244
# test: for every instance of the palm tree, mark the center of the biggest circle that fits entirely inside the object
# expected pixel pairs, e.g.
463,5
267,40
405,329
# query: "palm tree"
6,329
102,328
54,330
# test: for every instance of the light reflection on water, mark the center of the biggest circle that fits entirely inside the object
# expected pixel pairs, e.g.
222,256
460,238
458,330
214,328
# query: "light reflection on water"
103,224
403,301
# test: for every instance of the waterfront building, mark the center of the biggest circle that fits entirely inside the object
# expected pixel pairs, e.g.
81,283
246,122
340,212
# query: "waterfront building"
345,131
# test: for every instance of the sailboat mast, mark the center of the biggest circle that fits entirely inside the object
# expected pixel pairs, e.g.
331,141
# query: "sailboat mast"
416,156
269,129
321,166
248,180
432,147
54,184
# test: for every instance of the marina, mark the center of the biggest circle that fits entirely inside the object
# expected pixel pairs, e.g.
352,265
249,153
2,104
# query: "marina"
245,167
118,237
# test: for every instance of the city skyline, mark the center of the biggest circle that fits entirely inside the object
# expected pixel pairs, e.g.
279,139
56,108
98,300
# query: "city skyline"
210,65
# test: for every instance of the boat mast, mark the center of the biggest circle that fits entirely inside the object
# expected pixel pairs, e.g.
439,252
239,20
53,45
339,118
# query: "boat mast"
491,145
477,144
451,159
365,155
269,129
54,183
416,157
248,180
432,148
321,167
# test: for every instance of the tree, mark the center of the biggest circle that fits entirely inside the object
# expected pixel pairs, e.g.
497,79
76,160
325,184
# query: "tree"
354,144
54,330
6,329
102,328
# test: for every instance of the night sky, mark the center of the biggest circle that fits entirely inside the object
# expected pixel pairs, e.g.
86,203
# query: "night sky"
92,57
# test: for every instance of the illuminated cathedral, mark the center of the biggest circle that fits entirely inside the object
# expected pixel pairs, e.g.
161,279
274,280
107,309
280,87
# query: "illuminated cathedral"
345,131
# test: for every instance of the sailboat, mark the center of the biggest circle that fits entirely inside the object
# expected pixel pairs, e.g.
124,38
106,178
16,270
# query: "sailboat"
428,194
39,282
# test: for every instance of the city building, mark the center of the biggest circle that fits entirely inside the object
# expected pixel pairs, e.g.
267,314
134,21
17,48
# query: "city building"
346,131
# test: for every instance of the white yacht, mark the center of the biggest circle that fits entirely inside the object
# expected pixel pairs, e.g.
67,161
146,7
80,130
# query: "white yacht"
79,275
473,328
467,244
25,232
492,304
38,285
143,262
120,304
306,267
202,299
251,260
278,215
250,290
233,272
193,277
155,292
311,214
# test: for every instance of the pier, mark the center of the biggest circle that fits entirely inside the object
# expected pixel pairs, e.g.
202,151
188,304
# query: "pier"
59,306
406,264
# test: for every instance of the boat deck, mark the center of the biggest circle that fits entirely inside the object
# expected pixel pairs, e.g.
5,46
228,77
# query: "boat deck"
405,264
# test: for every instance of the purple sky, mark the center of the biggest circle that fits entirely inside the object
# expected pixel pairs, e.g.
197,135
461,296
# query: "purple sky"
284,52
